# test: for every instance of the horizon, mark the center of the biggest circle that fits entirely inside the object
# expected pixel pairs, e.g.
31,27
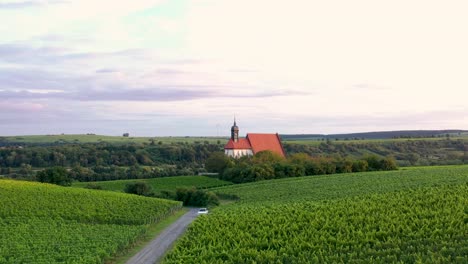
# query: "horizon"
228,136
186,67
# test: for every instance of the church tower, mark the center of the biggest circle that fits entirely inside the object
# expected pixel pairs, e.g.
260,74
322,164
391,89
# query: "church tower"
235,132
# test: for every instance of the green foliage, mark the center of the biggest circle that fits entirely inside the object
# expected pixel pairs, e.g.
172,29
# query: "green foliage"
46,223
415,215
427,151
267,157
326,187
267,165
92,138
139,188
424,225
106,161
93,186
196,197
159,185
218,162
54,175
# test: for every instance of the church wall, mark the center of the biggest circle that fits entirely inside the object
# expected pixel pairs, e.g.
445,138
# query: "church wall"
237,153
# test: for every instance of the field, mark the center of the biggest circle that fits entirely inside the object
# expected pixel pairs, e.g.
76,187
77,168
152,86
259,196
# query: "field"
161,184
314,141
42,223
416,215
65,138
327,187
79,138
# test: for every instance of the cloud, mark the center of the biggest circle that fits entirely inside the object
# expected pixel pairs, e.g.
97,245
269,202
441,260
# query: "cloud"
107,70
20,107
153,94
92,76
369,87
29,4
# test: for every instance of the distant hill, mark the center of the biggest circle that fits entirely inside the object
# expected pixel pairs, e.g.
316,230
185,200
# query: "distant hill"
379,135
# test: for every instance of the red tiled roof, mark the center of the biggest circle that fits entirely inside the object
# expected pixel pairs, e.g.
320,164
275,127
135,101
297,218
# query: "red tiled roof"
260,142
241,144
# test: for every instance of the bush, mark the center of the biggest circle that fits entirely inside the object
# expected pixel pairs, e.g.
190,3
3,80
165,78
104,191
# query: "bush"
218,162
139,188
196,197
54,175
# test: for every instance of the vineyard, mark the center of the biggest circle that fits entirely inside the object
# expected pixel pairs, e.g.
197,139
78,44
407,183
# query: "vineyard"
161,184
41,223
416,215
326,187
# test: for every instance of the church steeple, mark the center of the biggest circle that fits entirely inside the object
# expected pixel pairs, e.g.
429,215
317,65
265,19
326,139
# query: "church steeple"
235,132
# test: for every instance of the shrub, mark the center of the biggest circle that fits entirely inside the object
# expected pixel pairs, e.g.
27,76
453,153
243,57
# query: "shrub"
54,175
218,162
196,197
139,188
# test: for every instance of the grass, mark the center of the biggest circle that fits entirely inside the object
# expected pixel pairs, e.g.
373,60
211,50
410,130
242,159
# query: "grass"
316,142
153,231
160,184
80,138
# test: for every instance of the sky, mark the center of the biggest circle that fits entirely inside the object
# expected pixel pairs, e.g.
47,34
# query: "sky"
187,67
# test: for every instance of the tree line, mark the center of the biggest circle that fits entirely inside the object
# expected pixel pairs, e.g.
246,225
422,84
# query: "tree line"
110,161
87,155
267,165
406,152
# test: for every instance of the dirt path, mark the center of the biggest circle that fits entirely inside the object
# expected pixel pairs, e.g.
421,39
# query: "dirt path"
153,252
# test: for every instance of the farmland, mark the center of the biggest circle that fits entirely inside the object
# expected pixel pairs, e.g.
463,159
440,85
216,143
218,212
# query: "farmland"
92,138
161,184
43,223
327,187
413,215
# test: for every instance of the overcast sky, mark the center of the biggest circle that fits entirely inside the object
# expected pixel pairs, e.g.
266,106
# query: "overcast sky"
186,67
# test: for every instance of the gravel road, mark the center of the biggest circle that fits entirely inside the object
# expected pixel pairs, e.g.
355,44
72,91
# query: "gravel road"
156,249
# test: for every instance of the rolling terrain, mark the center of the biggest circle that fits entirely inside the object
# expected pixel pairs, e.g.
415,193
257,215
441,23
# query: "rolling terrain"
43,223
412,215
160,184
92,138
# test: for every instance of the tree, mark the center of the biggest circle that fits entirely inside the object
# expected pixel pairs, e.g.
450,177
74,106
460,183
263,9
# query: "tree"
25,170
267,156
388,163
54,175
196,197
218,162
139,188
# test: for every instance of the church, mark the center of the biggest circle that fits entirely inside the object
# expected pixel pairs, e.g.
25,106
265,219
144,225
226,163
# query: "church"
252,144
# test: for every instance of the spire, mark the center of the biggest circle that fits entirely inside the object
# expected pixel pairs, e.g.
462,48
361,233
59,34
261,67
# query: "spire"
235,131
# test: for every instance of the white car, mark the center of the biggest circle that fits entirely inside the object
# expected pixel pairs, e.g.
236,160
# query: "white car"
202,211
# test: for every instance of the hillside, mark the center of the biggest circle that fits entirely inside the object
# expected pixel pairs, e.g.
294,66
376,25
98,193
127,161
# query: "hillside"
407,216
379,135
160,184
50,224
92,138
336,186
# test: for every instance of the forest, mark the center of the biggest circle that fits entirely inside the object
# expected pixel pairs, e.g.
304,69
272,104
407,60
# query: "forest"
111,161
